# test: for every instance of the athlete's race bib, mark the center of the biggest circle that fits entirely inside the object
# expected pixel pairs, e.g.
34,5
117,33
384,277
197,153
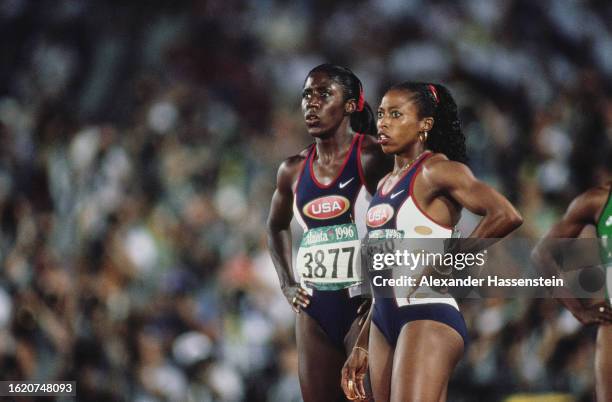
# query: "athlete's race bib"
330,255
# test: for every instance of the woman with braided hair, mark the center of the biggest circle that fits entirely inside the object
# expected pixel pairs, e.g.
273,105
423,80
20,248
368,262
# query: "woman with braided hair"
415,343
319,187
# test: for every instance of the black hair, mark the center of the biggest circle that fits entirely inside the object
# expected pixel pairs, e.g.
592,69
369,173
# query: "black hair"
434,100
361,121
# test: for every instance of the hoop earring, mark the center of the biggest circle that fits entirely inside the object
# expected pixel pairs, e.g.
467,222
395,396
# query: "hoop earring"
423,136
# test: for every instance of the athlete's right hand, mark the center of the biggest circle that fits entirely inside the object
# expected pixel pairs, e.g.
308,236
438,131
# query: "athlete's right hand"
599,313
364,310
353,373
297,297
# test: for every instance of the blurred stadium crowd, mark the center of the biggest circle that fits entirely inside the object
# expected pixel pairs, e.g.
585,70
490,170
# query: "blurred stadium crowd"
138,154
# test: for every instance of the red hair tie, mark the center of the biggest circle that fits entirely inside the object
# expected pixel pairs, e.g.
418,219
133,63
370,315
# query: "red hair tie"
360,101
434,93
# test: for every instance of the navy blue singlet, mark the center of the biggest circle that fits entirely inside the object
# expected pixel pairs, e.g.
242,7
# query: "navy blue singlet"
314,201
317,205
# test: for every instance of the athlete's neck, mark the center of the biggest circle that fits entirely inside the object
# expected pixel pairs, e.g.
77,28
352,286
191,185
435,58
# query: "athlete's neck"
405,159
328,149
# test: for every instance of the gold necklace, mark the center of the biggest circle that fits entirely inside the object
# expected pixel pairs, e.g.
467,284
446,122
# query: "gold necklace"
407,166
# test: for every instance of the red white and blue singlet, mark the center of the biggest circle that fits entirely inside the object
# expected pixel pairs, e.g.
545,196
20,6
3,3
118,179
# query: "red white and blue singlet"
397,211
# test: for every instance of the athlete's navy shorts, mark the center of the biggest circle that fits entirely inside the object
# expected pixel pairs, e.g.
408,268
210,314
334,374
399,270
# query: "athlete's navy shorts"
335,311
390,318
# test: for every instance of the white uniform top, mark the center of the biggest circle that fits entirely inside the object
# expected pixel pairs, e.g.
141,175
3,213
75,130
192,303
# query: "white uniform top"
396,212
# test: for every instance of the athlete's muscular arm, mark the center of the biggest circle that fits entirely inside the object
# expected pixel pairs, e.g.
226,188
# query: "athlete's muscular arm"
376,164
279,233
456,180
582,211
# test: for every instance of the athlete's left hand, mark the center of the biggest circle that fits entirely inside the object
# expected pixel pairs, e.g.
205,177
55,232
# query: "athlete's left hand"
353,373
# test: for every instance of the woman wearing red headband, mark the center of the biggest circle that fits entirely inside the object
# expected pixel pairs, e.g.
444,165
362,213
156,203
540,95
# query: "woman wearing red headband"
415,343
319,187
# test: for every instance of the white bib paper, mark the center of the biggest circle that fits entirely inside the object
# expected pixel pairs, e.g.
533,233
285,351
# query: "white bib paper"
330,255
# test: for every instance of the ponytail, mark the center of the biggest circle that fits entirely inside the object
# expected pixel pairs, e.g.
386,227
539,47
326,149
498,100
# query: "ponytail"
363,121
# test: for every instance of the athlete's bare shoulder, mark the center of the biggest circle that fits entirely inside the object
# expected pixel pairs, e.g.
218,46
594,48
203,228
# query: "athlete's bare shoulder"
441,171
439,161
597,191
294,160
595,195
289,170
587,206
606,187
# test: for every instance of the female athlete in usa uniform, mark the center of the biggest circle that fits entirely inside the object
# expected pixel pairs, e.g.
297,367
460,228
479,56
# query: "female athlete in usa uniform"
415,343
319,187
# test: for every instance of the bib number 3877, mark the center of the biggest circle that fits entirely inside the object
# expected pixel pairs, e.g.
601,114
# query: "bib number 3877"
317,264
329,254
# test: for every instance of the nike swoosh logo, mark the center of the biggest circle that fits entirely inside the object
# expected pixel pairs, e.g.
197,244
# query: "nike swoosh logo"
342,185
396,194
